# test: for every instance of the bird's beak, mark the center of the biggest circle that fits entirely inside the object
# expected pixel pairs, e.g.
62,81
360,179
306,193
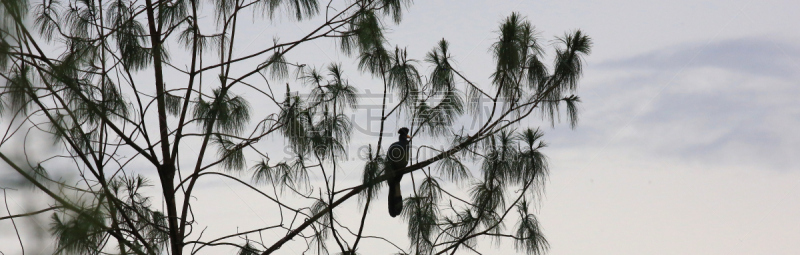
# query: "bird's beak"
409,137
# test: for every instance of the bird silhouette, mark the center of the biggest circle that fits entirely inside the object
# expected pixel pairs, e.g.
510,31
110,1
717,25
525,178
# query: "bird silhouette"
397,158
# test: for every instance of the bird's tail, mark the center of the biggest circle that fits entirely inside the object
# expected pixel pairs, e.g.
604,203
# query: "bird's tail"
395,197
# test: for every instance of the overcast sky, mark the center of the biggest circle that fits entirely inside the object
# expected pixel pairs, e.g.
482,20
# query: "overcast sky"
688,139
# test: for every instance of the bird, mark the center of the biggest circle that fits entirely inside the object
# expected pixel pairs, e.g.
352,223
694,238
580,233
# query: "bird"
397,158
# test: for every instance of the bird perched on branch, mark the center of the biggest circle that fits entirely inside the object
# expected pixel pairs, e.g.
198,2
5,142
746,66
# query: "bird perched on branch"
397,158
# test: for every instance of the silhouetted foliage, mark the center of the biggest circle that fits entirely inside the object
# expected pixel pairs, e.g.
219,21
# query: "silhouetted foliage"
102,79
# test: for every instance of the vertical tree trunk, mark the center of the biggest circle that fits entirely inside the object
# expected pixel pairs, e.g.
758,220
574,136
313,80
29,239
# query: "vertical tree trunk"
166,171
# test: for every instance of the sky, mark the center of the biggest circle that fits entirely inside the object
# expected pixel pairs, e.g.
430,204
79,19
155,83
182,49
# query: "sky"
687,137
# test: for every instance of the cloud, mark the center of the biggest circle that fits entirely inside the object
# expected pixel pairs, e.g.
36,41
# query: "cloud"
727,103
758,56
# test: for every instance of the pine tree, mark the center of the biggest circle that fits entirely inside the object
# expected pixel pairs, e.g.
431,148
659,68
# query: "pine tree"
99,77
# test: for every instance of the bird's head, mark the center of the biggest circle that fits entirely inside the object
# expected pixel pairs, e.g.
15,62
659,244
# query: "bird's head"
403,133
